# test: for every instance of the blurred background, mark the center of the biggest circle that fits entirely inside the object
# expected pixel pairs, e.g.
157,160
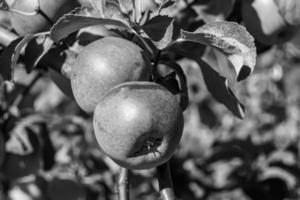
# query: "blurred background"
51,153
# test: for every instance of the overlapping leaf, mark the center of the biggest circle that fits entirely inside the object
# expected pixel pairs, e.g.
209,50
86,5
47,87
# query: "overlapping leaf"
229,38
218,87
6,60
161,30
70,23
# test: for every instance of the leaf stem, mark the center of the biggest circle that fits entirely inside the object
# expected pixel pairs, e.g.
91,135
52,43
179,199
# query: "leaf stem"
165,182
123,184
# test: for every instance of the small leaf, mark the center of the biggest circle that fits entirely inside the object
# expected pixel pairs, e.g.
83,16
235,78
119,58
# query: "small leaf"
161,30
35,50
6,59
218,87
290,11
183,92
229,38
18,49
3,5
70,23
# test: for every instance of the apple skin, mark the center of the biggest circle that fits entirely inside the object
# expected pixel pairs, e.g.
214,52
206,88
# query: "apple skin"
103,64
138,124
263,20
54,9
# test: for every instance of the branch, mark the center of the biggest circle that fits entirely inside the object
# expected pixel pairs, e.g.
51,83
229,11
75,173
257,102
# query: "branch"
123,184
165,182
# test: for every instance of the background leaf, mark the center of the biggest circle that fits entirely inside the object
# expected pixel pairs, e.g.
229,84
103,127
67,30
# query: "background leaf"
290,11
213,10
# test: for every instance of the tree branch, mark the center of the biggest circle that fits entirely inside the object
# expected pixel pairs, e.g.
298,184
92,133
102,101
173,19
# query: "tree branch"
123,184
165,182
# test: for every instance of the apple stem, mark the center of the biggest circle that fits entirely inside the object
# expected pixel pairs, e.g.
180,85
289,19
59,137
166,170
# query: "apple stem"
165,182
123,184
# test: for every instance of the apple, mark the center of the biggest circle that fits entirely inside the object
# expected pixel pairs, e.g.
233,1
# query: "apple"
138,124
53,9
263,20
103,64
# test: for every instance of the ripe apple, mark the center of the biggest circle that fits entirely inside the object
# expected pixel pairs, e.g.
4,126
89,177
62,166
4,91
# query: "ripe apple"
103,64
263,20
53,9
138,124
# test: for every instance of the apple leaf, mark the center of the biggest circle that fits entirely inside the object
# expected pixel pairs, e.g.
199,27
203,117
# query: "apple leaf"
3,5
34,51
70,23
6,60
161,30
213,10
229,38
182,94
218,87
289,10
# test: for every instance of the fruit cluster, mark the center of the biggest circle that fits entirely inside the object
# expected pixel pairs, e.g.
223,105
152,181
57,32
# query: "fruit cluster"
137,123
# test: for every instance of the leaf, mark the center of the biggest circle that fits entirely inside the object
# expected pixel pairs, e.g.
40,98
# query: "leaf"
161,30
182,93
70,23
35,50
229,38
290,11
6,59
213,10
218,87
18,49
3,5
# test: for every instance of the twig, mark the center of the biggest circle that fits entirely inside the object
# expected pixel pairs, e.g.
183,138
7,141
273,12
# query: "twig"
165,182
123,184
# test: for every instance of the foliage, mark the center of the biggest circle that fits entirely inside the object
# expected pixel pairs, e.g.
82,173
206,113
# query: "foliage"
219,73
